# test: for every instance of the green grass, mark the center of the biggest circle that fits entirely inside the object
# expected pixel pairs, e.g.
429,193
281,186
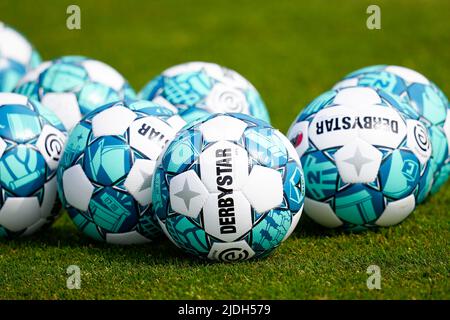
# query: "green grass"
291,52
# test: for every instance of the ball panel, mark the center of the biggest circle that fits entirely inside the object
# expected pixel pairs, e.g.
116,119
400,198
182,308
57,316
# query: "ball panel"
77,188
224,166
112,121
18,213
104,74
322,213
65,106
222,127
396,211
187,194
264,189
126,238
358,162
227,216
231,251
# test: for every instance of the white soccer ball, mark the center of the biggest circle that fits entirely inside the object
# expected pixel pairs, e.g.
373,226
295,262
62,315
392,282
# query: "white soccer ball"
104,179
31,143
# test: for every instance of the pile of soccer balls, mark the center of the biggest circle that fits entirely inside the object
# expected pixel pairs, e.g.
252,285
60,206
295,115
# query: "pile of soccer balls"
193,155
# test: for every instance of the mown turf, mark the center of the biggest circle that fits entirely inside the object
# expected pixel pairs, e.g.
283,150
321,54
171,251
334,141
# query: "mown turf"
291,52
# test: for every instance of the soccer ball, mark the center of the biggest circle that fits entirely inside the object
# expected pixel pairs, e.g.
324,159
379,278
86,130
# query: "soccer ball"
73,86
17,56
31,142
200,88
364,160
424,102
229,187
104,178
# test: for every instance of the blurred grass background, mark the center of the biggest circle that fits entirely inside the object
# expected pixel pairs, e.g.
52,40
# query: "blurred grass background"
291,51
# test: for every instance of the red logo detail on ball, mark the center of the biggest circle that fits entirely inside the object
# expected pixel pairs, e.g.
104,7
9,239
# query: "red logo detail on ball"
298,140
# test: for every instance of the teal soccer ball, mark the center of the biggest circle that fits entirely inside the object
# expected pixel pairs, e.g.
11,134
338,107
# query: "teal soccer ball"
200,88
17,57
31,143
73,86
365,161
104,178
424,101
229,187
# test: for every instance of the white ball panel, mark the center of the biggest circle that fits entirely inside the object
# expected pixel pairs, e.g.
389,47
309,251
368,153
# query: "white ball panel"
12,98
227,217
352,82
231,251
112,121
387,127
150,135
264,188
139,180
418,141
321,213
176,122
397,211
77,188
159,100
19,213
322,130
187,194
294,223
357,97
222,128
51,144
224,98
225,161
14,46
65,106
49,198
408,74
358,162
102,73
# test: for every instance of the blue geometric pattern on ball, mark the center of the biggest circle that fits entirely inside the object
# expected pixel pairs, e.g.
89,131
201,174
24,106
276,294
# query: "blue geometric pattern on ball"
22,171
107,160
69,75
113,211
270,231
399,174
294,186
359,204
265,147
320,175
19,124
